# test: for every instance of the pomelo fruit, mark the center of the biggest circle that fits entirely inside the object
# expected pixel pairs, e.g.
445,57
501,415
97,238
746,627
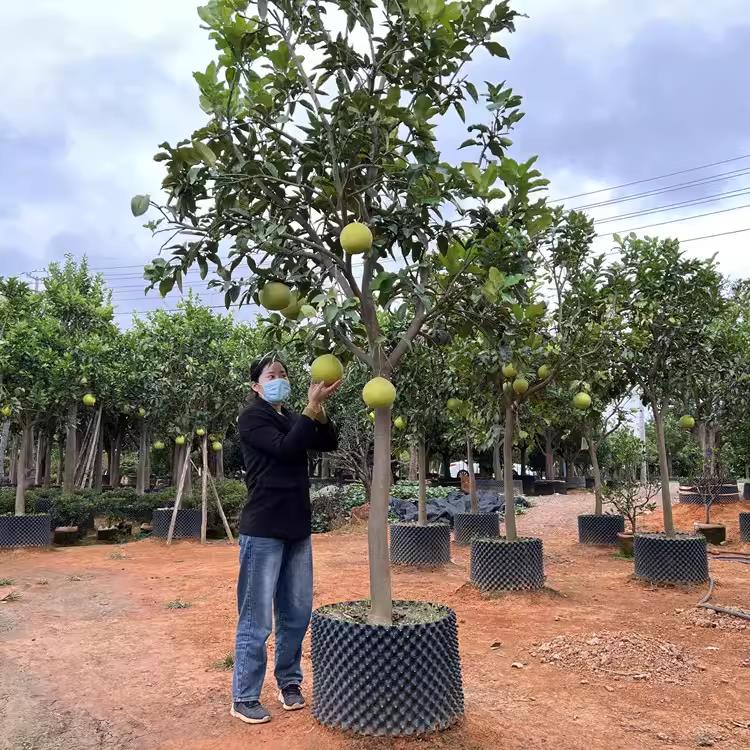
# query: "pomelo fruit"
687,422
509,371
141,411
379,393
543,372
275,296
89,399
520,386
326,369
356,238
399,423
179,440
6,411
292,310
216,446
158,445
454,404
200,432
582,400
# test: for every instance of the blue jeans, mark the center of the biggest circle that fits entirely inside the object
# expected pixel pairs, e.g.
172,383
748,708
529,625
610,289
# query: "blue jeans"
275,582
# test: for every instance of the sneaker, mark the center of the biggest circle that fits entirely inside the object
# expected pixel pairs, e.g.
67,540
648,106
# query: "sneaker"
291,698
251,712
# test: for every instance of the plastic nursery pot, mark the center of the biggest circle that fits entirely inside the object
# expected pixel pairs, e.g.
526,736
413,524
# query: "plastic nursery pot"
187,525
746,491
428,545
575,483
715,533
507,565
388,680
745,526
25,531
468,525
678,559
550,487
67,535
107,535
600,529
727,493
625,542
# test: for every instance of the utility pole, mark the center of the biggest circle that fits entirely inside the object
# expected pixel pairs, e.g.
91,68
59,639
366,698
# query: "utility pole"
35,278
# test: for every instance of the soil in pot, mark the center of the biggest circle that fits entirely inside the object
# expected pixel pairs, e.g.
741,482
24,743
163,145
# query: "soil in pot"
625,542
402,679
715,533
66,535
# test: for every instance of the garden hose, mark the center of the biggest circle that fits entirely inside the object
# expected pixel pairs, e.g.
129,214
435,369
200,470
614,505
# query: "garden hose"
703,604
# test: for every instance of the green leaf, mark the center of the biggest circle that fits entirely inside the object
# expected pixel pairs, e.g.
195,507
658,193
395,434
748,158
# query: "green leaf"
139,204
205,152
472,171
497,50
165,286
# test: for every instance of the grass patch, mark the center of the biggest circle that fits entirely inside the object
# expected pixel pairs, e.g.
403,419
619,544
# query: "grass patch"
74,578
178,604
13,596
226,663
118,555
6,581
42,582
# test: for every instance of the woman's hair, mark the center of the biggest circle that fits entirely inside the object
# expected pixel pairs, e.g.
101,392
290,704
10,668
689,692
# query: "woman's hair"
260,364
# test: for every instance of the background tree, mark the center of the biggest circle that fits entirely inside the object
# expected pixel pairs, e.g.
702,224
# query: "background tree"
669,302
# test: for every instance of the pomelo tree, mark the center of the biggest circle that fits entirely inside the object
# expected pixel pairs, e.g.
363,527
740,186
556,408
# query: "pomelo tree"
669,302
323,114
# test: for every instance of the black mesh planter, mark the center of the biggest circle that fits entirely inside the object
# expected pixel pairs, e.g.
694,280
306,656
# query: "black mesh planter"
678,559
527,484
575,483
550,487
504,565
727,493
386,680
420,545
469,525
187,526
25,531
600,529
745,526
746,491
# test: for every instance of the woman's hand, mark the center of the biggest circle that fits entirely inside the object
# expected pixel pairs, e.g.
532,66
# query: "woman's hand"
320,392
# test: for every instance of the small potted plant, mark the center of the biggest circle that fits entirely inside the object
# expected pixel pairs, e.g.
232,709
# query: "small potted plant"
708,485
630,499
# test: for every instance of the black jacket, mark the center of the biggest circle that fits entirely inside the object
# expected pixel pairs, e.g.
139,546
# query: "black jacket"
274,450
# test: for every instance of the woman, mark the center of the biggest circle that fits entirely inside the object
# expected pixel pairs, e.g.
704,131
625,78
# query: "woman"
275,578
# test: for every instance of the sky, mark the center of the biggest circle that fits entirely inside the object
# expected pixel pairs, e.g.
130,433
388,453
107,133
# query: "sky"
614,93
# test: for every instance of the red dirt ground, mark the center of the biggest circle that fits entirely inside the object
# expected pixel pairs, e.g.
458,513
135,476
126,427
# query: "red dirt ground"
90,657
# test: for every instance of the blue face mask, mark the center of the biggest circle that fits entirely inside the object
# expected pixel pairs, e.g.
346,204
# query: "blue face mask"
276,391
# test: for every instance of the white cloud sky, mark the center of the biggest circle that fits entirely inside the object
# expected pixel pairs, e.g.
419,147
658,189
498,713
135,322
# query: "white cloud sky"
90,89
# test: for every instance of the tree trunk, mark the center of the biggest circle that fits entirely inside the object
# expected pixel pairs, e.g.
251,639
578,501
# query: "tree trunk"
422,473
4,438
414,461
98,459
598,501
549,458
711,449
204,489
186,451
220,463
13,475
39,461
670,466
71,450
23,461
496,464
661,447
446,461
523,460
140,476
325,466
701,435
473,499
114,458
510,502
47,476
185,470
381,607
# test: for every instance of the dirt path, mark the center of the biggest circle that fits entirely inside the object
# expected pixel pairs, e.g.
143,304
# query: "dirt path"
91,657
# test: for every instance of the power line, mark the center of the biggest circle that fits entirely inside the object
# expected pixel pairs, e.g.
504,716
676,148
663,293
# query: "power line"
718,234
672,221
722,177
681,204
652,179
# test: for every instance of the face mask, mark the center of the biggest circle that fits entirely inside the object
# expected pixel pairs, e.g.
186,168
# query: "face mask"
276,391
